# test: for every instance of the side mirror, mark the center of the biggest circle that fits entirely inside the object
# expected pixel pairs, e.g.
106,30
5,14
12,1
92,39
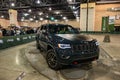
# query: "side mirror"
44,32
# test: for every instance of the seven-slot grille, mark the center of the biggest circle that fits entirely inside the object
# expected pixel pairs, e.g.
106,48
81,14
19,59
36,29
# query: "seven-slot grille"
85,47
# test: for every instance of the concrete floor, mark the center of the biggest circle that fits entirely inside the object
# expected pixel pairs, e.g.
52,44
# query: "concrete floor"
13,63
112,48
26,58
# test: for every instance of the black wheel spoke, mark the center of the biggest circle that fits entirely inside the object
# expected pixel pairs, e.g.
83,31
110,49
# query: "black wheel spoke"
52,60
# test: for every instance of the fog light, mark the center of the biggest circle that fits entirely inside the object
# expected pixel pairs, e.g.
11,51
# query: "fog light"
65,57
75,63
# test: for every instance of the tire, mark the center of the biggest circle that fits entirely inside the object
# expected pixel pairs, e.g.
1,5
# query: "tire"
38,47
52,60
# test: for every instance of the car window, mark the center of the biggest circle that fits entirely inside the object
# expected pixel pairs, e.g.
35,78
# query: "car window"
61,29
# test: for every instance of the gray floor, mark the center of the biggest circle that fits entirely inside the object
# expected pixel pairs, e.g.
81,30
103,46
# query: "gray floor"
13,63
26,58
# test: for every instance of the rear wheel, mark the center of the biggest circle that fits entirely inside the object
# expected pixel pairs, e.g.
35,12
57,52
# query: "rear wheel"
52,60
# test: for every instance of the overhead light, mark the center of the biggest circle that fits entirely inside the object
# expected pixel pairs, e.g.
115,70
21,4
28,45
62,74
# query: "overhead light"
38,1
12,4
70,0
57,12
73,7
34,17
64,18
40,13
22,19
2,16
50,8
56,20
29,10
52,18
26,14
36,21
61,15
41,19
47,16
75,12
31,19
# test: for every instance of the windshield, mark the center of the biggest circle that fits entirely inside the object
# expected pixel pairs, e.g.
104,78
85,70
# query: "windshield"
62,29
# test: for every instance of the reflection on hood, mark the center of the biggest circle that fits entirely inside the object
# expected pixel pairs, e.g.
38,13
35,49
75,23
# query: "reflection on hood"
73,37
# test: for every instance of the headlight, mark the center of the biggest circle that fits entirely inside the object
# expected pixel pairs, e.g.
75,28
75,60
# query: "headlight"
97,43
64,46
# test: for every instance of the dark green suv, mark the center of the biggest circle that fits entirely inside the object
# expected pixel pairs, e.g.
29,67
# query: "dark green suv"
64,45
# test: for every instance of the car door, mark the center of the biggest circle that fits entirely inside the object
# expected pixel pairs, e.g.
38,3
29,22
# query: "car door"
43,37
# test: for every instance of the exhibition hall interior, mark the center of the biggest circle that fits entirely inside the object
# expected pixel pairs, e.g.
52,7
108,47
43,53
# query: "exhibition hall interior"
59,39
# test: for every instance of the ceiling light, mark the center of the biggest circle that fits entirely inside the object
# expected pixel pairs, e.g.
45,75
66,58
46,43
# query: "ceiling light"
52,18
34,17
61,15
47,16
56,20
12,4
73,7
64,18
40,13
41,19
26,14
2,16
36,21
75,12
57,12
38,1
29,10
50,9
22,19
31,19
70,0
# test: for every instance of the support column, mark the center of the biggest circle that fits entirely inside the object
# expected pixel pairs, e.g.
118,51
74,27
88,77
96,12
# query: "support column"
13,17
87,16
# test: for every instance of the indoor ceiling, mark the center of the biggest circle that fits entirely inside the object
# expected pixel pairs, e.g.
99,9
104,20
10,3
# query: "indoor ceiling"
35,10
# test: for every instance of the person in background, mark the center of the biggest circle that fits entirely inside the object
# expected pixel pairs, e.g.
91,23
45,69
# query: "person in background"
10,31
0,31
4,31
64,31
17,31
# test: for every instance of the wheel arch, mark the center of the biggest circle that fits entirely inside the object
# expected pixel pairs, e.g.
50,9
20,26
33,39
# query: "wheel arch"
49,47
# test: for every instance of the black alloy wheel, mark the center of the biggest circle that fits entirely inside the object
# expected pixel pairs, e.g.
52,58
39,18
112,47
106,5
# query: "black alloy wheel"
52,61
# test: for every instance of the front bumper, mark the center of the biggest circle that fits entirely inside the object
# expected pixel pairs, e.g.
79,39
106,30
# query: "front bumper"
67,56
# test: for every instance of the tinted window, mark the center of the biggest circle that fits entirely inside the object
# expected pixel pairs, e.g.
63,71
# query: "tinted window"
61,29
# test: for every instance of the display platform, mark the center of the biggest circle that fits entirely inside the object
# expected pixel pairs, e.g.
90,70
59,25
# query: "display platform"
103,69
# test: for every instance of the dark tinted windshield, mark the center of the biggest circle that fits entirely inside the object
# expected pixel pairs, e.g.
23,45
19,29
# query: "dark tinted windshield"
62,29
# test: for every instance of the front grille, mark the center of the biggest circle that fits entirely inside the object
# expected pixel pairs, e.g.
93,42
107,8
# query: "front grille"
85,47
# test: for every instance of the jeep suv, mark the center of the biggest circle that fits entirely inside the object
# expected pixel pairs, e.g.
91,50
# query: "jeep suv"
64,45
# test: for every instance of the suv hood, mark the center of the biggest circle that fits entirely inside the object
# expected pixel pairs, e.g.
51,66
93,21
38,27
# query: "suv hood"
72,37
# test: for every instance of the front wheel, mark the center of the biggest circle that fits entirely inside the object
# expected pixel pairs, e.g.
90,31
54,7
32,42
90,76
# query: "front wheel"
52,60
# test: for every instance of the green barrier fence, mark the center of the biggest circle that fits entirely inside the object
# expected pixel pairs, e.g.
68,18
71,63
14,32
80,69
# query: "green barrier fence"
9,41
